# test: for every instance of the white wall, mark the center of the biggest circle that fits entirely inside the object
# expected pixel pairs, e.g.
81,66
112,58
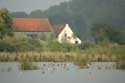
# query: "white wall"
67,36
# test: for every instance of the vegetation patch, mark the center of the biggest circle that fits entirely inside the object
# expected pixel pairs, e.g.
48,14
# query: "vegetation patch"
81,61
27,64
120,65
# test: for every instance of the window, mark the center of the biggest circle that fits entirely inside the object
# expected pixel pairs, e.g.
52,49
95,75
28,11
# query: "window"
76,42
65,35
33,36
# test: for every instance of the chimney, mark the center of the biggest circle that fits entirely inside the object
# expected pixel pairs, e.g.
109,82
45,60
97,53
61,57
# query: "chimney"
67,25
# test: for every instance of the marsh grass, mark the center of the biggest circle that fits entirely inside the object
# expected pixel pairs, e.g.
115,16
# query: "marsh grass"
60,56
120,65
78,54
27,64
82,60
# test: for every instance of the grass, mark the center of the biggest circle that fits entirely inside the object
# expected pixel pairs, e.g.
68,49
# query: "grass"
27,64
120,65
79,54
81,61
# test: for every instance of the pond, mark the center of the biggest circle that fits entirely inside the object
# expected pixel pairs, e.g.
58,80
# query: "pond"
50,72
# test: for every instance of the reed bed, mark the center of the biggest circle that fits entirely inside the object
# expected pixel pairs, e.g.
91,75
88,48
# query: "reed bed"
54,56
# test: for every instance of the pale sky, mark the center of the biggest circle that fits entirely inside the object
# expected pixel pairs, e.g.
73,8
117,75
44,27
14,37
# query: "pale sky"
28,5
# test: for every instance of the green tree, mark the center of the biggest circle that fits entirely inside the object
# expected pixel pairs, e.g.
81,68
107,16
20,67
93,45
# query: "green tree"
19,14
37,14
104,32
101,32
5,23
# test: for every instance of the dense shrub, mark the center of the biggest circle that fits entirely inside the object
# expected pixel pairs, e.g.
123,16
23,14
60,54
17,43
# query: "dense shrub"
120,65
85,45
27,64
6,47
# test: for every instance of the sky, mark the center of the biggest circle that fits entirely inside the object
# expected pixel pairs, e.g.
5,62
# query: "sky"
28,5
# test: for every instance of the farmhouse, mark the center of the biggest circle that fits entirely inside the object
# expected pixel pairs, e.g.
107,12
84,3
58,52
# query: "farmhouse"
33,28
65,34
42,29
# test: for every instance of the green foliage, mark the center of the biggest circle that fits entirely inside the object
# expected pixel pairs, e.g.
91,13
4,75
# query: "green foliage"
120,64
27,64
56,46
107,33
101,32
19,14
4,46
81,61
5,23
37,14
67,47
118,50
81,14
85,45
19,44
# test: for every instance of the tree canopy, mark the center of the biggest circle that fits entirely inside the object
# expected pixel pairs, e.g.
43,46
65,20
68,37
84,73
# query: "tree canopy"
102,32
5,23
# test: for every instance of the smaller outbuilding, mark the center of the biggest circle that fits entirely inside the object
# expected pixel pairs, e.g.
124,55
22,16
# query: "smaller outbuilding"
64,34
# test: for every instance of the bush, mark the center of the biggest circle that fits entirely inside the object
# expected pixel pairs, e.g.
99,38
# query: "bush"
120,65
67,47
26,64
85,45
6,47
81,61
54,46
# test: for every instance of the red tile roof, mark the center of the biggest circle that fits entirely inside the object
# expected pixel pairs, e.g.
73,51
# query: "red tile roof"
31,24
58,28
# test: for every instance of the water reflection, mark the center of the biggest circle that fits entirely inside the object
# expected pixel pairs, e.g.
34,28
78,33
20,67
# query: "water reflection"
102,65
50,72
53,67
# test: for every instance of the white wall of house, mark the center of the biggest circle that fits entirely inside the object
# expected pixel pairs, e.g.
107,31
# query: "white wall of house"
36,35
20,35
67,35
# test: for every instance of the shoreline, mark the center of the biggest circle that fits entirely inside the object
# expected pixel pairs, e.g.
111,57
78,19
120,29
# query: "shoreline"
55,56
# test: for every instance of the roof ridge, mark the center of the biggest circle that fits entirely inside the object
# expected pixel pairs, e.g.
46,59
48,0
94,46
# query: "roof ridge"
32,18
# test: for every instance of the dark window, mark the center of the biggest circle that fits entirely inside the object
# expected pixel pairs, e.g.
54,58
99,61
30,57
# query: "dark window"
34,36
76,42
65,35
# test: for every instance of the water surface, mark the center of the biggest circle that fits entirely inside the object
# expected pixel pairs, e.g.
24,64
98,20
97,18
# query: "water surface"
49,72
